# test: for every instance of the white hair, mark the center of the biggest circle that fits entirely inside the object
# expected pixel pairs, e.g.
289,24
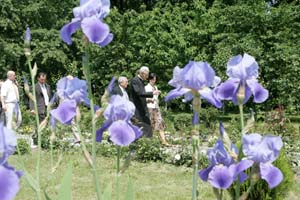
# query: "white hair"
121,79
144,69
10,73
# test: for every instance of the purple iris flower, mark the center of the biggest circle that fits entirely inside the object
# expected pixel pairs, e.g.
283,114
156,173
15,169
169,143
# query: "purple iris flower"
27,35
9,182
8,143
118,114
243,73
222,171
9,178
195,77
89,16
72,92
263,151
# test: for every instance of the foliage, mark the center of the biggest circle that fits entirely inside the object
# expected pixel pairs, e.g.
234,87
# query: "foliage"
23,147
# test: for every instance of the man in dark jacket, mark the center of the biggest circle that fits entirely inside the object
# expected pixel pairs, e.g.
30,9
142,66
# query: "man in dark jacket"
120,89
138,97
43,96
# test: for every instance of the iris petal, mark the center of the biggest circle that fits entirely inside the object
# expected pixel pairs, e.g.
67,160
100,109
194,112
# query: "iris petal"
196,75
176,93
228,89
9,183
203,174
65,112
210,96
121,133
242,67
107,40
8,140
100,131
138,132
68,29
176,80
95,30
260,94
271,174
220,177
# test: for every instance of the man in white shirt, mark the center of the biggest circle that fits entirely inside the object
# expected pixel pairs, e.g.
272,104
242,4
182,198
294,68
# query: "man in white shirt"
10,101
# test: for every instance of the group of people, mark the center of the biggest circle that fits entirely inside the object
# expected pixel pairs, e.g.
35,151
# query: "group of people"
145,98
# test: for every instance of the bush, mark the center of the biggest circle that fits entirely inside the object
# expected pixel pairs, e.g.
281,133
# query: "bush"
23,147
147,149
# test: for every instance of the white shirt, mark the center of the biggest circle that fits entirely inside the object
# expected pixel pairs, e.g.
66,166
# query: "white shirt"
45,93
125,95
151,102
10,92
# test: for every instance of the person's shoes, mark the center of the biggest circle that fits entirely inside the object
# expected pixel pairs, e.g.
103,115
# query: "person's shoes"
166,144
33,146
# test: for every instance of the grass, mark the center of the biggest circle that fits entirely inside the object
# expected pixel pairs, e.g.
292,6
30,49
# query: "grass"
151,181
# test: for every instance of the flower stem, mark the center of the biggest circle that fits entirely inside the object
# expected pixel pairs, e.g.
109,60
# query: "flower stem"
32,75
195,143
86,71
237,189
118,170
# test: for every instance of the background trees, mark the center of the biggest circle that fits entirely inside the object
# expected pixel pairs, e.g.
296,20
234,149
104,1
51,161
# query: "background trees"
162,34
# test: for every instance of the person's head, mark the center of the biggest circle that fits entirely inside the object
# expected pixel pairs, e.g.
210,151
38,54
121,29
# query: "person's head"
11,75
144,72
42,77
123,82
69,77
152,78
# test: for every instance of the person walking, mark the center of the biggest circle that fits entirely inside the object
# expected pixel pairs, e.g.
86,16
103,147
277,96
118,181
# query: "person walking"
10,101
157,122
138,96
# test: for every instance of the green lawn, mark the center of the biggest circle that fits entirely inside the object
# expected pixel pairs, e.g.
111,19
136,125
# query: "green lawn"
152,181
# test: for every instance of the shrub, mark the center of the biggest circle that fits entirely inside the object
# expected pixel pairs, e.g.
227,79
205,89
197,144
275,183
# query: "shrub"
23,147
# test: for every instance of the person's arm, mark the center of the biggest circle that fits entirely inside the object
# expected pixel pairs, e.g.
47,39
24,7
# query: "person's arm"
3,103
140,91
3,92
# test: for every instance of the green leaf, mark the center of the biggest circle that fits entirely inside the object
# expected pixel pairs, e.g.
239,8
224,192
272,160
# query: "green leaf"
31,181
66,185
129,195
47,196
107,192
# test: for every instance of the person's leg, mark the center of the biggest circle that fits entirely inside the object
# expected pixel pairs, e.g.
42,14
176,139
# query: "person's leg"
75,131
18,116
9,115
163,138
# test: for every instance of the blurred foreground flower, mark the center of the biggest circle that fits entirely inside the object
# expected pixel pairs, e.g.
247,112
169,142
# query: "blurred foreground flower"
195,78
242,82
71,92
9,177
118,114
89,16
